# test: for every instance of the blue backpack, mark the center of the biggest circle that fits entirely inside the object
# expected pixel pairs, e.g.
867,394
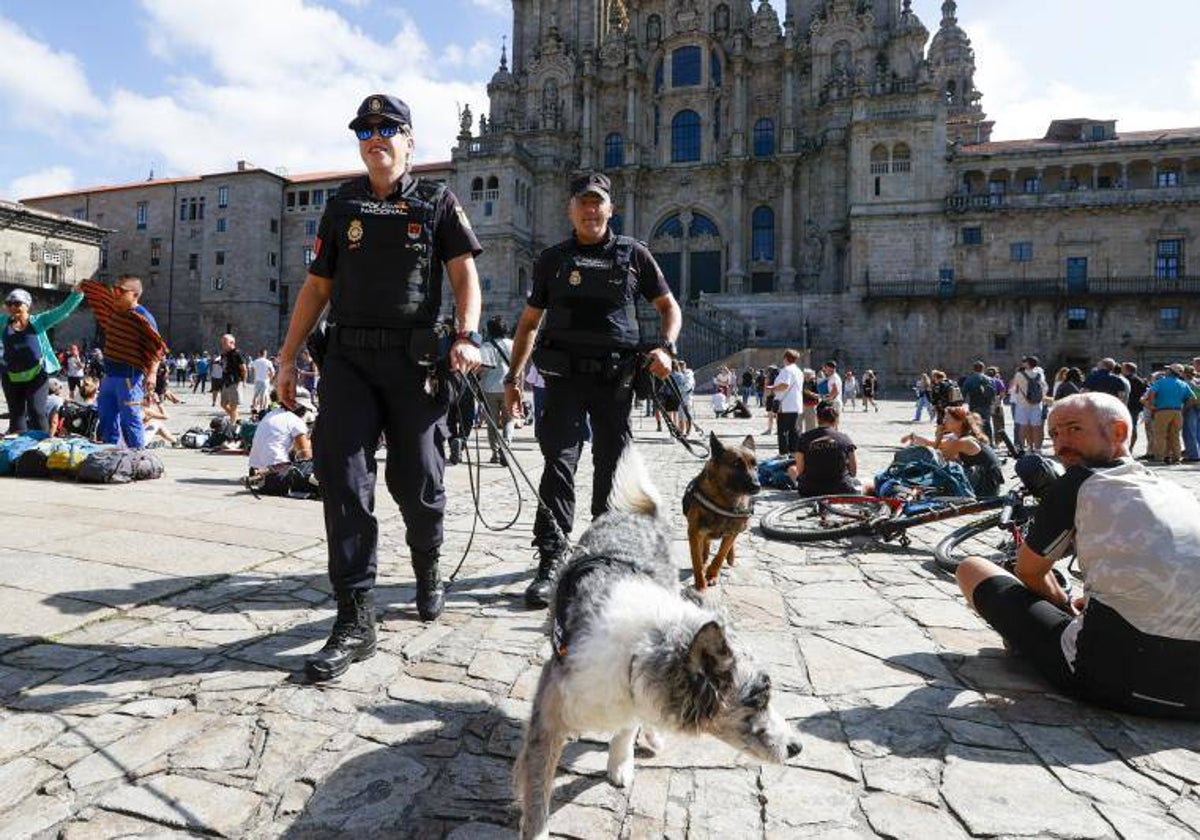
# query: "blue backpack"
919,467
13,448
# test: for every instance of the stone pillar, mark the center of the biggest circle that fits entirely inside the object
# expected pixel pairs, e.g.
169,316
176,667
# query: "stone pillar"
735,279
627,214
633,144
737,138
788,141
1041,176
787,271
1124,176
587,144
1154,176
685,257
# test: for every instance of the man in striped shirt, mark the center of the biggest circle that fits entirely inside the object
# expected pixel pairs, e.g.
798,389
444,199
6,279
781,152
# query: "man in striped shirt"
132,352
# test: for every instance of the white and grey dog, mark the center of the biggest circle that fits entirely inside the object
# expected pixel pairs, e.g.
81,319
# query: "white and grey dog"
630,652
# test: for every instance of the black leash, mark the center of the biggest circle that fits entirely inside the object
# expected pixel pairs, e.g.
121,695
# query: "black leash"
695,448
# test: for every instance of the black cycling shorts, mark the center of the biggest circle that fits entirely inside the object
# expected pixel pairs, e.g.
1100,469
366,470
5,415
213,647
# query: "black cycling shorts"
1029,623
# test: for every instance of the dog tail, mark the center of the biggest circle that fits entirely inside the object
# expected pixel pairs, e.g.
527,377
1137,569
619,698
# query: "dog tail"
633,491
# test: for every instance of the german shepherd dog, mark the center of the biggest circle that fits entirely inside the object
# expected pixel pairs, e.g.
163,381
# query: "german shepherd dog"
717,506
630,651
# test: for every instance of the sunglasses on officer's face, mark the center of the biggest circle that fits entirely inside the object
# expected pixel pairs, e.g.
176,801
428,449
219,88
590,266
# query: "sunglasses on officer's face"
385,131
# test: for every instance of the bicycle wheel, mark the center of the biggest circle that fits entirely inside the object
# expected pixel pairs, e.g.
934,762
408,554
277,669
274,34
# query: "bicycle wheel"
825,518
981,538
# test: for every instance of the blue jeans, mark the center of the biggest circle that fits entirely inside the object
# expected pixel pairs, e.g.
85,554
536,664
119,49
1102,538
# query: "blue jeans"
923,404
119,405
1191,434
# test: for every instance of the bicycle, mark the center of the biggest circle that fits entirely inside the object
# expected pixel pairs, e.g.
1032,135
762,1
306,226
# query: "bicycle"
883,517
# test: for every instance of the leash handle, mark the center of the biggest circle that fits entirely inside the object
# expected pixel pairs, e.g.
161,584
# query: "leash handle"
695,448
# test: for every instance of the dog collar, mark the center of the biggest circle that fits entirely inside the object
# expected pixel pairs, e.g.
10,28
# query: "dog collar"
693,493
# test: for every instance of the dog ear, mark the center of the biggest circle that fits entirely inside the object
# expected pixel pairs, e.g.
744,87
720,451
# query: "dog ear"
749,443
709,652
714,444
759,694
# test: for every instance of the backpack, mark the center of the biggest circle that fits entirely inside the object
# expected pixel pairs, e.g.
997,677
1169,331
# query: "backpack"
119,466
68,455
79,419
982,396
294,480
32,462
195,438
1033,388
223,430
246,434
773,473
919,467
11,449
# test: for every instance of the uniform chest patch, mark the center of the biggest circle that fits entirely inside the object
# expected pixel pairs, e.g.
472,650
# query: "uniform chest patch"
414,230
575,278
355,233
593,262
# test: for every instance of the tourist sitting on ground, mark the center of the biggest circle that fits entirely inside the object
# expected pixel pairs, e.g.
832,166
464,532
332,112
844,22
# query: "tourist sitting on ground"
54,404
960,438
154,424
1132,642
282,435
825,462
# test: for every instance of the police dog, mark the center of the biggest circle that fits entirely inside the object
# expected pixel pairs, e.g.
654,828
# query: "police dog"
717,506
630,652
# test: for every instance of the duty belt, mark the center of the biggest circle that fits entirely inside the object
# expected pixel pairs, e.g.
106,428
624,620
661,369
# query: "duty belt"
371,338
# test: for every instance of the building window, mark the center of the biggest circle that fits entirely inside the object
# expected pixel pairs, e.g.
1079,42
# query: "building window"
764,137
274,226
901,158
1077,318
302,198
310,227
104,255
671,227
1170,318
79,213
318,198
272,259
273,285
155,251
124,255
221,225
222,196
218,284
999,341
309,255
492,191
220,257
879,160
477,189
972,235
762,242
657,123
1033,185
143,214
193,262
1020,251
1169,259
488,208
714,69
685,67
183,205
685,137
289,201
1168,178
1098,132
614,151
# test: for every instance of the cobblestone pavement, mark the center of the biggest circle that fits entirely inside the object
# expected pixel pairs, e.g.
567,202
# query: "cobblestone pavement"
151,636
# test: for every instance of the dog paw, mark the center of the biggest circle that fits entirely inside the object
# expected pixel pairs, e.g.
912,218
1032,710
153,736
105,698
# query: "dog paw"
651,740
621,775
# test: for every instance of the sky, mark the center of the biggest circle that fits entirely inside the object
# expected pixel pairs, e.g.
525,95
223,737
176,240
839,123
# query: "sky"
106,92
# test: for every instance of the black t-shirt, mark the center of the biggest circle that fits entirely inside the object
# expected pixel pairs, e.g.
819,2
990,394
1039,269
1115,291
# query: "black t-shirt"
232,363
651,284
1137,390
1107,382
340,230
826,454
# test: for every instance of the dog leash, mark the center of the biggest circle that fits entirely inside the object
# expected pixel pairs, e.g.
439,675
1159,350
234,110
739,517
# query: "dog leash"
695,447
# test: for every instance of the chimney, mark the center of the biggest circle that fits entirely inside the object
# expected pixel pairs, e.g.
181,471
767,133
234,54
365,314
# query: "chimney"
241,166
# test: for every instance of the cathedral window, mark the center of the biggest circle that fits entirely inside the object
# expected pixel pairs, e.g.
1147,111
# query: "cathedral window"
492,192
901,158
685,137
762,242
1169,258
764,137
671,227
614,151
685,67
701,225
714,69
879,159
477,189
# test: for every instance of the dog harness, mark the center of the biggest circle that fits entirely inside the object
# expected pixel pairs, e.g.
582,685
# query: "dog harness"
567,586
693,496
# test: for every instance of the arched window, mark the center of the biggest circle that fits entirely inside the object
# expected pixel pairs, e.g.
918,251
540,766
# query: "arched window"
671,227
716,120
901,158
714,69
764,137
721,19
762,243
701,225
685,137
476,189
879,159
614,151
653,29
493,183
685,67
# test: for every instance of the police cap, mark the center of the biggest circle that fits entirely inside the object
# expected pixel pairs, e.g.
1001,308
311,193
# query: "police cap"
592,183
380,106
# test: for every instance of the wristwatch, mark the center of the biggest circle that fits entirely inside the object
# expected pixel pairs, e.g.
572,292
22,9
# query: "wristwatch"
669,346
509,379
469,335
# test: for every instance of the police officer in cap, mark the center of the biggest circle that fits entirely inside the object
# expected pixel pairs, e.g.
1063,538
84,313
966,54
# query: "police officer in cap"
587,352
381,247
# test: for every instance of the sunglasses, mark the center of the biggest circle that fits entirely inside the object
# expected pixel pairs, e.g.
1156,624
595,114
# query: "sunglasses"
14,303
385,131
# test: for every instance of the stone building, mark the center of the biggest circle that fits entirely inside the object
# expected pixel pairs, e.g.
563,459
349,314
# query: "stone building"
821,175
46,254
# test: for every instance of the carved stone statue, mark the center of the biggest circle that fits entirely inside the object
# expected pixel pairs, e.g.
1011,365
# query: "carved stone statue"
465,120
812,257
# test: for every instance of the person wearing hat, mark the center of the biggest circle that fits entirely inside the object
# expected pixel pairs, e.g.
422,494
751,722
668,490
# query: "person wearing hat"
1166,399
29,358
587,351
282,435
382,245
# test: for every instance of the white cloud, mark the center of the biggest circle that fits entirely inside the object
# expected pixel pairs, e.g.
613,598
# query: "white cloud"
53,179
39,84
496,7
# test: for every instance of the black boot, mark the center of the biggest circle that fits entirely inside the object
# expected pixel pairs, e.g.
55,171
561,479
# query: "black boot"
352,637
455,451
431,594
537,594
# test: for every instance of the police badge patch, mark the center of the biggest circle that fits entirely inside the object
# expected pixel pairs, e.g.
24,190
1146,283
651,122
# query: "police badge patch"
355,233
414,230
575,278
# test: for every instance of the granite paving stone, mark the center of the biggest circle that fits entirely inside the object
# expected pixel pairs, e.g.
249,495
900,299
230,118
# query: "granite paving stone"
150,672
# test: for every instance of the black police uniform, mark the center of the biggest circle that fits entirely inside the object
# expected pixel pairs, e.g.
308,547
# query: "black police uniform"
586,351
385,259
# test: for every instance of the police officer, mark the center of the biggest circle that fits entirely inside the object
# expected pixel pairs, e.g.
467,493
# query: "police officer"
381,247
587,350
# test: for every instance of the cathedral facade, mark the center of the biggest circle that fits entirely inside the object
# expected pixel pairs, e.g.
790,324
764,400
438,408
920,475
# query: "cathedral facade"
823,174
